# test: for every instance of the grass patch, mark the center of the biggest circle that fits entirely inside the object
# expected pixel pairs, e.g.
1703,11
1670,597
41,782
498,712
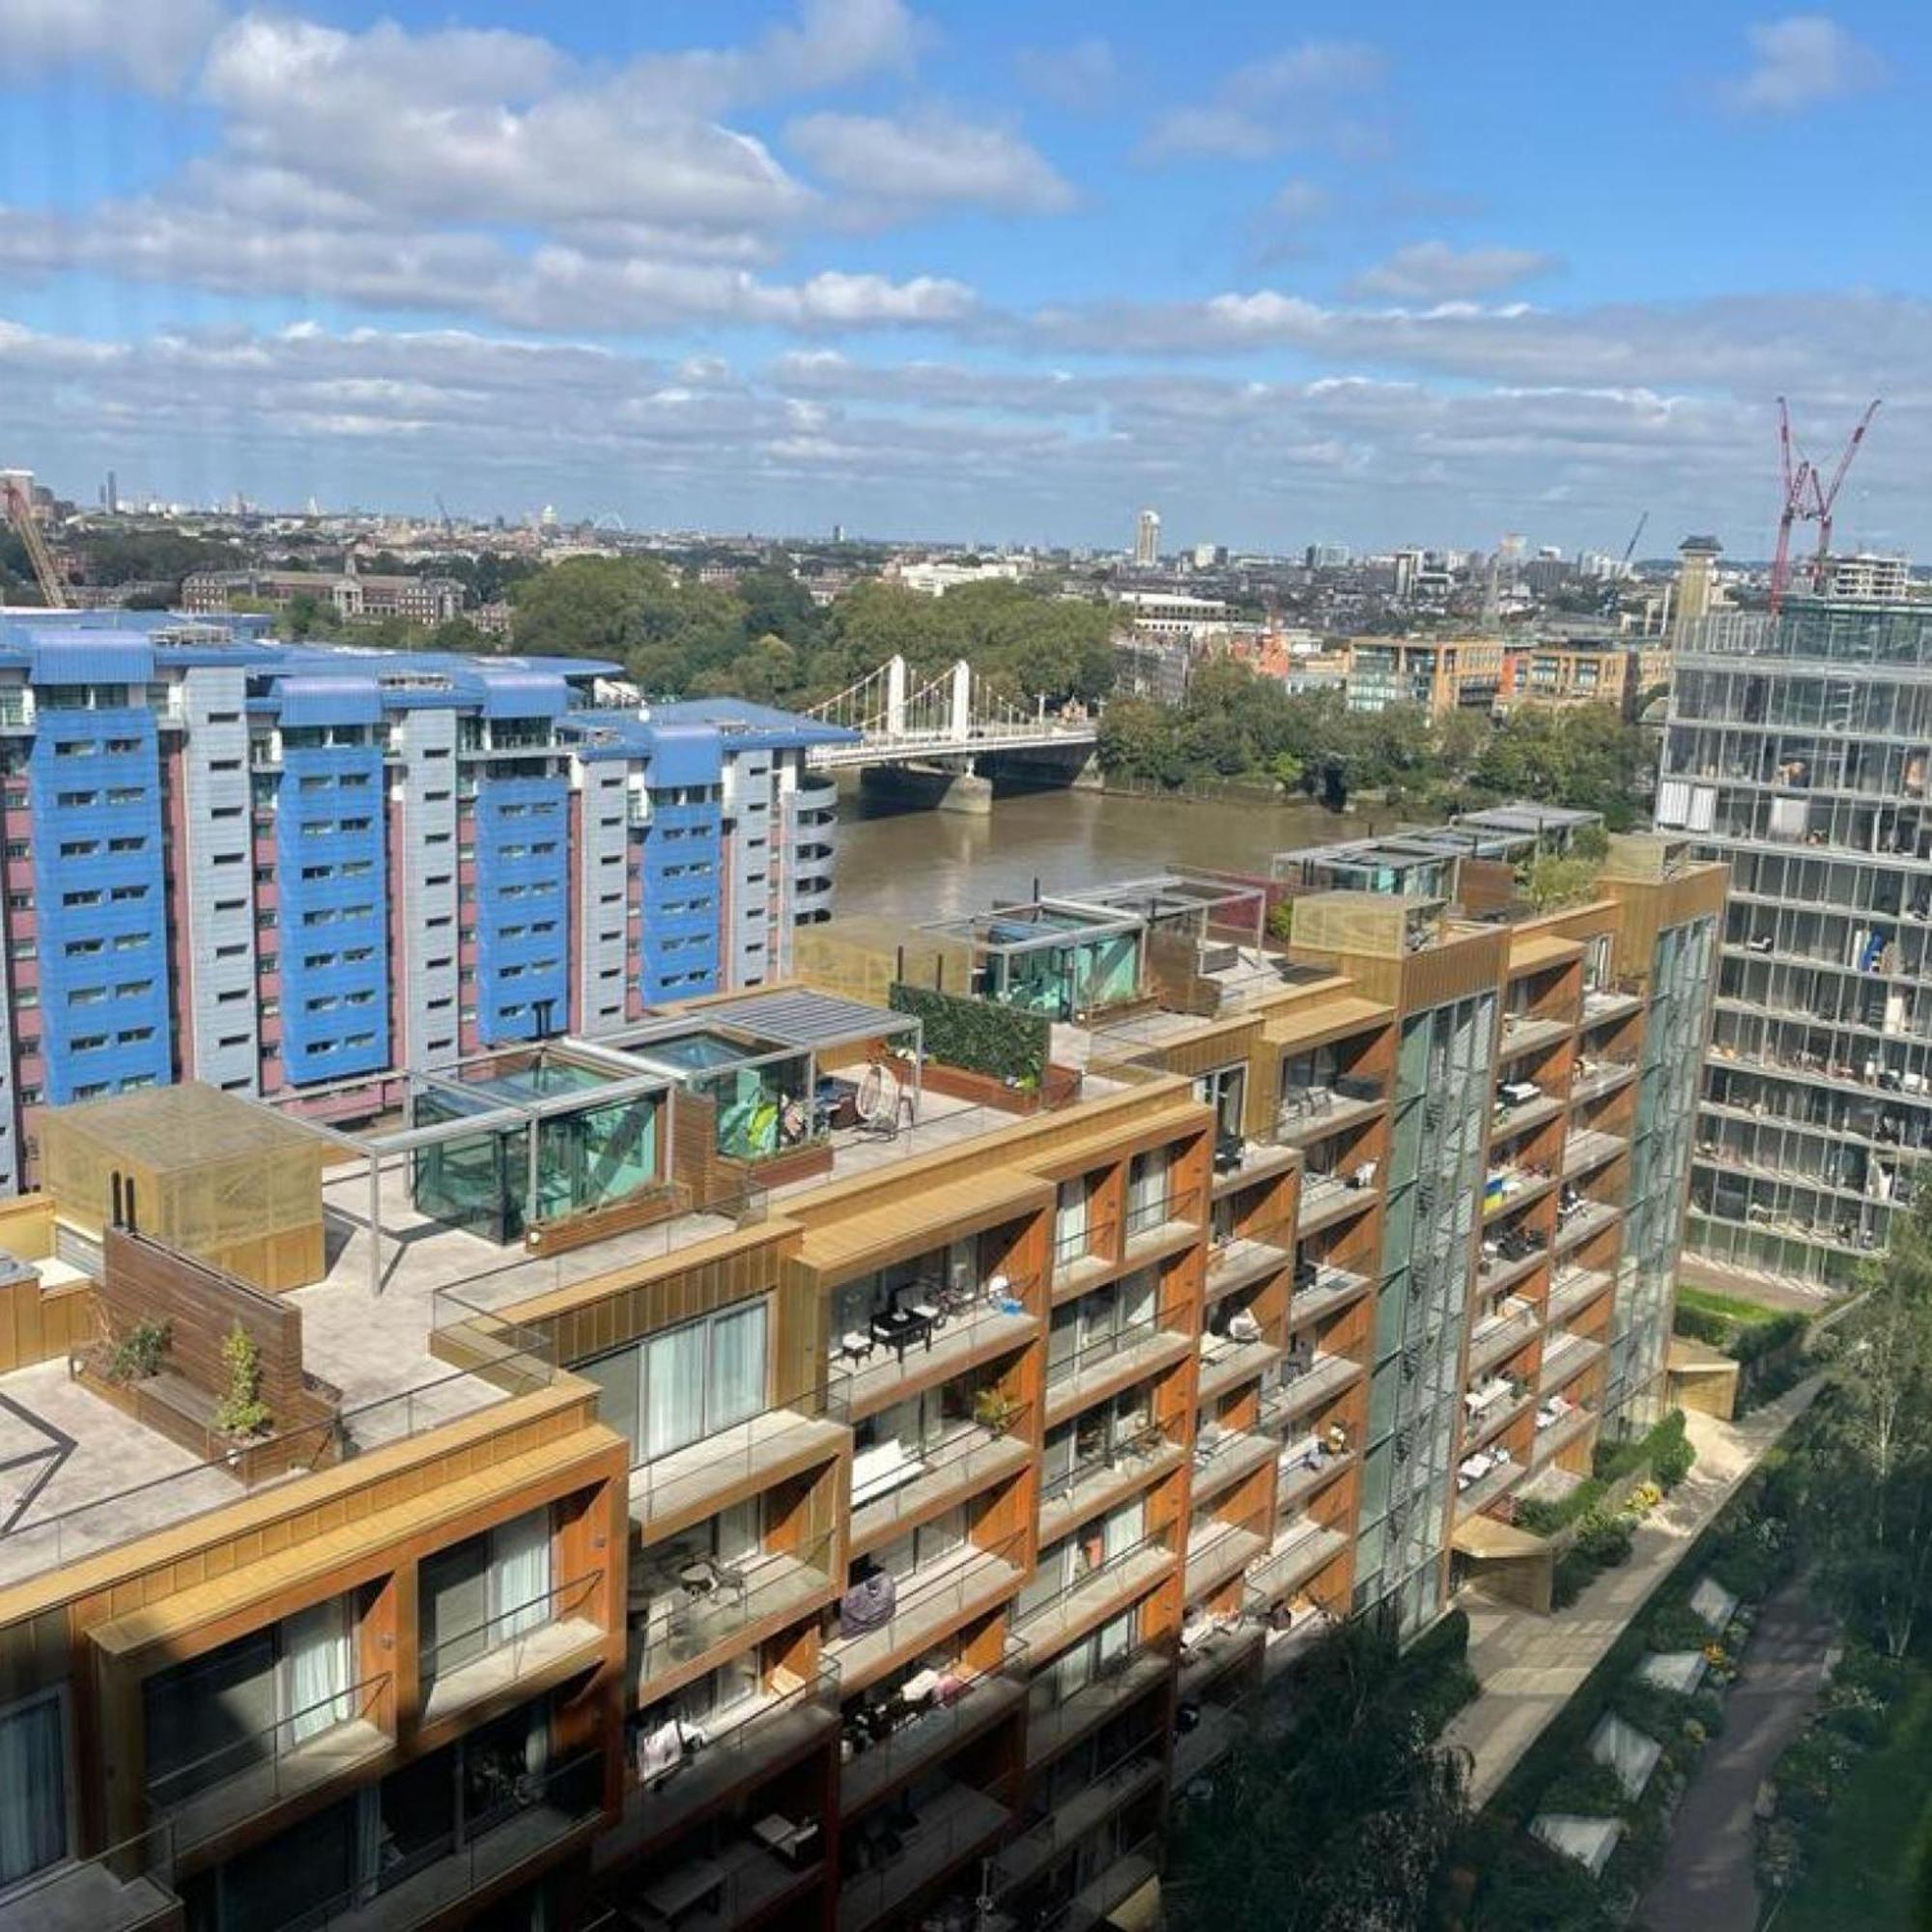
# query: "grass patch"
1724,1307
1869,1866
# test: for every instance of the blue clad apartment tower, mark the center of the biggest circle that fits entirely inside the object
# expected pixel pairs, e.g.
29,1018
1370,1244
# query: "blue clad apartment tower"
274,867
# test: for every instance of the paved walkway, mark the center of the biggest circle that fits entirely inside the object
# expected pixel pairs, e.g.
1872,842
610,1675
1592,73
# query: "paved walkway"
1708,1883
1531,1666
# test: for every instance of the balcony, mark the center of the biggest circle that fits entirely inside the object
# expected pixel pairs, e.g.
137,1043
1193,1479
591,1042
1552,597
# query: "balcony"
935,1349
1492,1405
533,1824
285,1760
505,1652
1509,1189
1218,1552
1152,1225
1216,1731
1306,1467
1115,1687
1213,1648
1227,1361
1590,1148
1101,1592
1563,1355
1523,1034
1329,1198
129,1888
1518,1119
950,1829
1103,1482
1136,1771
686,1606
738,1754
1481,1478
1112,1363
1567,1421
1241,1160
1500,1331
1300,1549
1597,1077
1310,1114
1320,1289
1223,1457
1288,1640
1082,1256
931,1603
1604,1004
1241,1261
751,1455
1572,1289
1306,1382
742,1881
1509,1256
1578,1222
973,1703
891,1483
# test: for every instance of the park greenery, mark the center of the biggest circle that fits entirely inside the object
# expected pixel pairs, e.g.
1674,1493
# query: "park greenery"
1235,726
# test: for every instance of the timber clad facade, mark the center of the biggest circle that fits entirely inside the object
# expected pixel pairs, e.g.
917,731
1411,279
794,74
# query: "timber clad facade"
912,1534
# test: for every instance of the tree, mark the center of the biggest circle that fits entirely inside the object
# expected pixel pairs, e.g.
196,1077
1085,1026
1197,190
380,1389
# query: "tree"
1336,1820
1554,879
1581,756
1873,1509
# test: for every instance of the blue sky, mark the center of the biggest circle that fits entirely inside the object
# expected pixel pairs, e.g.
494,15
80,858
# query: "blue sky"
1378,273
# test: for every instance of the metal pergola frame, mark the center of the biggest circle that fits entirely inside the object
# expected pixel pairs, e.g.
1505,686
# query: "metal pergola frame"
494,1115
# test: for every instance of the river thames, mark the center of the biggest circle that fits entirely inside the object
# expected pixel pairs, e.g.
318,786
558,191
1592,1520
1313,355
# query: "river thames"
917,865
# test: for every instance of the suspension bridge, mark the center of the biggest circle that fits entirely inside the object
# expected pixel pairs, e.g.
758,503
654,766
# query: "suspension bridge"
948,722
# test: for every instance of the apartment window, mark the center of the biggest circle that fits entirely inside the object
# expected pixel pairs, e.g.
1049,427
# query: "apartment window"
685,1383
33,1787
1063,1564
1095,1657
1070,1237
1091,1328
482,1592
1146,1190
216,1716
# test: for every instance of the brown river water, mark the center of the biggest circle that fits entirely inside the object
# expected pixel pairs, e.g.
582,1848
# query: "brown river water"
921,864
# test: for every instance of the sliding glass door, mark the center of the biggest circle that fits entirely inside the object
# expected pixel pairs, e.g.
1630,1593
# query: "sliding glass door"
685,1383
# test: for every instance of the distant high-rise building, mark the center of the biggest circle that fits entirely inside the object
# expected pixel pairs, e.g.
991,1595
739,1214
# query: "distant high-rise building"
1402,567
1147,539
1327,556
1696,581
113,499
1865,577
1210,555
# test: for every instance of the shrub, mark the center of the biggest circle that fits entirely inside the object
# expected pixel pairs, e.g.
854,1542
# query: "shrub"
138,1353
1590,1789
1605,1539
1002,1043
1702,1325
1573,1569
1671,1462
241,1412
1676,1626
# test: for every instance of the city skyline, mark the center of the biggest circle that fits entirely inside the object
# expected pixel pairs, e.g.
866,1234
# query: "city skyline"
942,274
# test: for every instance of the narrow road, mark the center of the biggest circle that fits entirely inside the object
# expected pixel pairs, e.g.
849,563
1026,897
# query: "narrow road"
1707,1883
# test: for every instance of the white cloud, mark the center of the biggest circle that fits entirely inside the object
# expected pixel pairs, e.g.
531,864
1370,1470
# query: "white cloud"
151,44
1079,78
461,124
556,287
1297,97
1434,272
1296,202
933,160
1798,61
835,41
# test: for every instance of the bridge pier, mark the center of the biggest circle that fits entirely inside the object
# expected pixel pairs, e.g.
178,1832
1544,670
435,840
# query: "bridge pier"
968,794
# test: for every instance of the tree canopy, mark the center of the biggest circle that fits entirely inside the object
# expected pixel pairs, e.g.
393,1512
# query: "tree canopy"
764,638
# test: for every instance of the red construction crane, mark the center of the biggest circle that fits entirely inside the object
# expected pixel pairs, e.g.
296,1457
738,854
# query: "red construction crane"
1808,498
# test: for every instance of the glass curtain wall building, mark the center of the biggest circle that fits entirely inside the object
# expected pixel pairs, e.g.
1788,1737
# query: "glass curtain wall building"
1797,750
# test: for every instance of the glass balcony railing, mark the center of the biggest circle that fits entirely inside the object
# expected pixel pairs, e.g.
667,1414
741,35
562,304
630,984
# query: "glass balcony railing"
1179,1208
922,1735
683,1607
265,1766
500,1650
127,1889
928,1603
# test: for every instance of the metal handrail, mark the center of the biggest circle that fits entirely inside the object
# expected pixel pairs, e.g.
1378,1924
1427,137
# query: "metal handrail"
268,1747
1108,1565
1070,1367
978,1439
1183,1205
518,1625
743,1604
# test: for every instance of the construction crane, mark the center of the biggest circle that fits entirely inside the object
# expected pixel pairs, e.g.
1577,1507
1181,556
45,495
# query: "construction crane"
448,524
16,500
1630,549
1808,498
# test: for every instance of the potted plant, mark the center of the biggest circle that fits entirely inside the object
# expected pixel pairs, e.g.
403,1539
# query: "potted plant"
994,1409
